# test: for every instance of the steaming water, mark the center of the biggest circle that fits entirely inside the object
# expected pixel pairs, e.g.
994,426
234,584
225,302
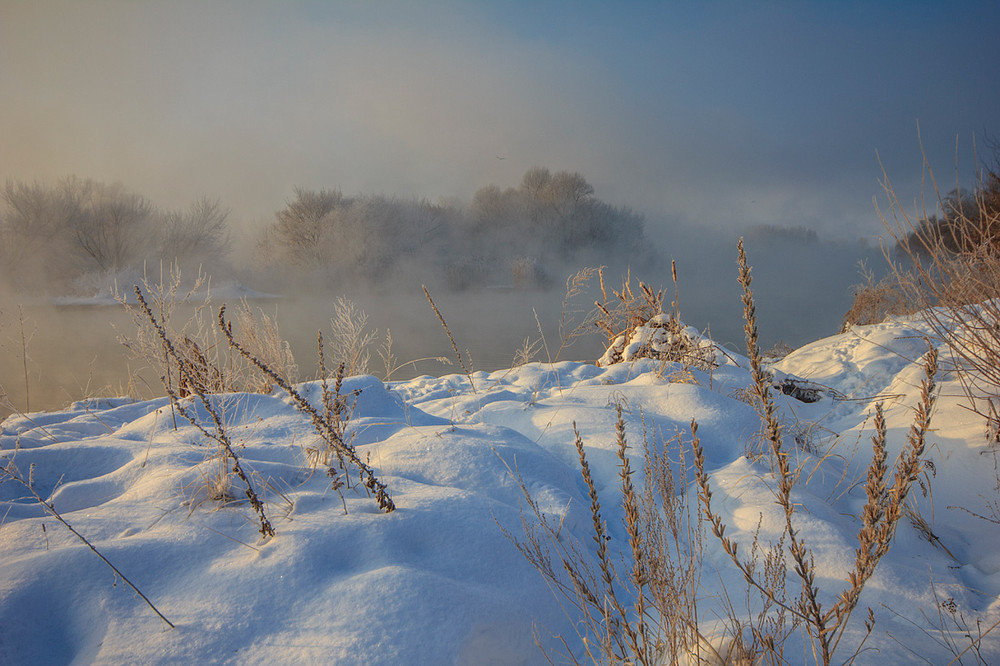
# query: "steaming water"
73,351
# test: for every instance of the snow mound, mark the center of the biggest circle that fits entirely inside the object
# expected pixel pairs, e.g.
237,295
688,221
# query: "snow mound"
664,338
437,581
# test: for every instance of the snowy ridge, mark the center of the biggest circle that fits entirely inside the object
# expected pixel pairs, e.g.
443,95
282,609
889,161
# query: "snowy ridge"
436,582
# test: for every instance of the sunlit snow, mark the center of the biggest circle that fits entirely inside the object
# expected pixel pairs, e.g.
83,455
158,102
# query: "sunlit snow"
436,581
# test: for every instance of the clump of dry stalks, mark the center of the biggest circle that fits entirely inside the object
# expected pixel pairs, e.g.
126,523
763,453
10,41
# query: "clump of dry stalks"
351,336
627,310
218,434
200,350
635,326
875,301
328,428
952,274
198,377
649,614
885,505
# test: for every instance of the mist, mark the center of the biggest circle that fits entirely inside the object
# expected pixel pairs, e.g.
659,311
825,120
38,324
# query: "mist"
693,125
720,116
496,266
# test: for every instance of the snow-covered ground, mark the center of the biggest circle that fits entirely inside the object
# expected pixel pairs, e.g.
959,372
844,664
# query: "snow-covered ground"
436,581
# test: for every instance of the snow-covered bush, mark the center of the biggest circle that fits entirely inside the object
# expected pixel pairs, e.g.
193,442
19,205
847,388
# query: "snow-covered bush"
663,338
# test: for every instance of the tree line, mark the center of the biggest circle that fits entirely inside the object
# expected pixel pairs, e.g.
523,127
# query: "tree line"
55,236
967,220
516,235
51,236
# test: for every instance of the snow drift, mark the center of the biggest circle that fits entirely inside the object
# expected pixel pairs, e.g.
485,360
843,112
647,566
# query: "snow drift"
436,581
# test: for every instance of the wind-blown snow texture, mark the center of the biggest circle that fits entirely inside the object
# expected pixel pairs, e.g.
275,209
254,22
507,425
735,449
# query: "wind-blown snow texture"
436,582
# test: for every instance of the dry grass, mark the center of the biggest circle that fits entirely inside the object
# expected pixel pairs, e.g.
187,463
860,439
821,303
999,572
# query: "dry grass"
642,609
261,336
628,309
635,326
261,361
527,352
649,613
202,359
20,342
760,380
451,338
574,322
953,277
875,301
144,344
351,338
328,428
392,364
886,504
218,433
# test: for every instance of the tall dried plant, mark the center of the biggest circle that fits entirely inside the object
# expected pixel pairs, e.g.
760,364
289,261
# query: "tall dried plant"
24,340
573,321
218,433
760,380
260,335
875,300
324,426
645,609
627,309
451,338
825,626
143,343
351,337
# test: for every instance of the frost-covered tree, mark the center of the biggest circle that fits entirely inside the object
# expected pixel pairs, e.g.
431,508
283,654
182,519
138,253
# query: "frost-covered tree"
112,227
302,228
197,235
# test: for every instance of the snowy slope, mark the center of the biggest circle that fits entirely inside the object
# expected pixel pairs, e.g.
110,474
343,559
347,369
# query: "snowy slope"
436,581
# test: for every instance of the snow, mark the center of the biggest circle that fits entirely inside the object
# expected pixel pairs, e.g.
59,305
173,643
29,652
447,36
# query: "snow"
437,581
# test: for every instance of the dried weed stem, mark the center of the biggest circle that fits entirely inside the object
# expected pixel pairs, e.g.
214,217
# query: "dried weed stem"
11,472
323,425
649,614
219,435
885,504
451,338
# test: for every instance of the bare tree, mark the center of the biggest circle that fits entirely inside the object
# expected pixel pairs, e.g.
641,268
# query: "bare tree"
302,227
112,227
34,228
33,216
195,235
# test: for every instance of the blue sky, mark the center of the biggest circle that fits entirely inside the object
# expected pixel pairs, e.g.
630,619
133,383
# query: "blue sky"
717,114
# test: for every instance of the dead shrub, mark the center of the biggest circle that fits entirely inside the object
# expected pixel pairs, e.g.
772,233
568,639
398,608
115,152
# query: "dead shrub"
875,301
953,277
635,325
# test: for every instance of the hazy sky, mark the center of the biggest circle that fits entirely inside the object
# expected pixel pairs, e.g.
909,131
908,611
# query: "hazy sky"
712,113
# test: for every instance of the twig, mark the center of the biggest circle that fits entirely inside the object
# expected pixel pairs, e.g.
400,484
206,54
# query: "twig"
325,428
13,473
220,435
454,346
